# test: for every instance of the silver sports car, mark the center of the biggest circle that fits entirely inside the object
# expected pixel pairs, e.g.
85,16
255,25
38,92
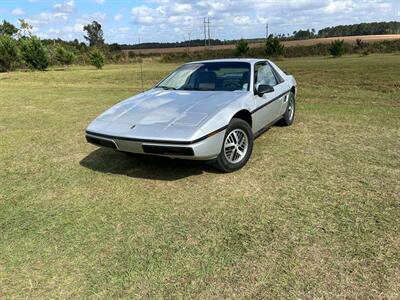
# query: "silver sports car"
206,110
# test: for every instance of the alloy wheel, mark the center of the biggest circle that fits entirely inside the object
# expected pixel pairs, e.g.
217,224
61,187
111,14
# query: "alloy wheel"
235,146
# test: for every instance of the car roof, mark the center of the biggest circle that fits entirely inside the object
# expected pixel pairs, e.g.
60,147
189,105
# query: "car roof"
247,60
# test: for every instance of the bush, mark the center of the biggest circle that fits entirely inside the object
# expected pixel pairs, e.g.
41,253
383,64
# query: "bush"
64,56
273,47
364,53
34,53
131,54
310,50
96,58
9,55
118,57
337,48
360,44
242,48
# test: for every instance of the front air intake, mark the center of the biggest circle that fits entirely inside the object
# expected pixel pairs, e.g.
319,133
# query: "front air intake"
166,150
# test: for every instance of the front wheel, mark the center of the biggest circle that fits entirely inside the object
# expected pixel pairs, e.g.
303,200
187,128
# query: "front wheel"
288,117
237,146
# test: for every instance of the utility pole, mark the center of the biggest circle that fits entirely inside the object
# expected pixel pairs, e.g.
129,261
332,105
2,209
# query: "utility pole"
141,65
266,31
205,33
209,40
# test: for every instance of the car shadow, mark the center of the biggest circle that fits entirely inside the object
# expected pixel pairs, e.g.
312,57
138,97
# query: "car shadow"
143,166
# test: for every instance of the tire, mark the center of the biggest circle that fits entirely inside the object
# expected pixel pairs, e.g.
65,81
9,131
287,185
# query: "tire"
288,117
230,159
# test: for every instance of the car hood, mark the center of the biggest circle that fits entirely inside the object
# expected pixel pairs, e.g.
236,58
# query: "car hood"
151,114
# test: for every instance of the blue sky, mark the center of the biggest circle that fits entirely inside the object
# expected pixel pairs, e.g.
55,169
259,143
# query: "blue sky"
124,21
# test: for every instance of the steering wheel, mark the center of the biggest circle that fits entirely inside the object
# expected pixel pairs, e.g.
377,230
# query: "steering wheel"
232,86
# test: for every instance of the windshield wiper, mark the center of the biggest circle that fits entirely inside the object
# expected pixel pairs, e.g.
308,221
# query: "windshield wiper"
166,87
188,88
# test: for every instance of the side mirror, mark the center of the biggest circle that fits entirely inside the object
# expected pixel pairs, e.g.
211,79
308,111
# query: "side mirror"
263,89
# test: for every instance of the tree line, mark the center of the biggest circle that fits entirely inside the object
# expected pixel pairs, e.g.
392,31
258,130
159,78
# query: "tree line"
361,29
302,34
374,28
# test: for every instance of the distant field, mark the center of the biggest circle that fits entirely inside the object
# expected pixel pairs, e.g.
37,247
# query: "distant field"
314,214
348,39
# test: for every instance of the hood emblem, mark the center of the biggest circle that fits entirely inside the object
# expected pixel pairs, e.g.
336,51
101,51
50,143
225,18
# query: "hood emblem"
133,126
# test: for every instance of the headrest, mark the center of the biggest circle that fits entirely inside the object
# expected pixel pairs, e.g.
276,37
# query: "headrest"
207,77
206,80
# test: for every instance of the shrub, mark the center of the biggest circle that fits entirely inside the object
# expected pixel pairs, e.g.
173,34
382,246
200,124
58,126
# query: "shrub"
64,56
273,47
9,54
337,48
361,47
310,50
242,48
118,57
131,54
96,58
365,52
360,44
34,53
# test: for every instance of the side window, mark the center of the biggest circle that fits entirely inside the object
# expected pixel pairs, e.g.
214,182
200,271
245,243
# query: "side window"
264,75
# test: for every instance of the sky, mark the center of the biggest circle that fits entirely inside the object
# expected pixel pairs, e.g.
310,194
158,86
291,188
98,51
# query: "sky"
128,21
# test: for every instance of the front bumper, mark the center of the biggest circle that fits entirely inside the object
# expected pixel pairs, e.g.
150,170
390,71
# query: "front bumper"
204,149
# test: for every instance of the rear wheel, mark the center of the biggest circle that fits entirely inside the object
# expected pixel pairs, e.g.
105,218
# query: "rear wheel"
237,146
288,117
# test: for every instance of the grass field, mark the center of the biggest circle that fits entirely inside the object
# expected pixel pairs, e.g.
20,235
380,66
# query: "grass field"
315,213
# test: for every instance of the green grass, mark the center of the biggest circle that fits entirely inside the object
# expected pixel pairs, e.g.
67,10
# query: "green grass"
314,214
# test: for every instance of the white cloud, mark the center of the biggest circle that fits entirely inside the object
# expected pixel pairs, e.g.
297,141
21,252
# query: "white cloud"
66,7
77,28
60,14
124,29
183,8
118,17
54,31
242,20
145,15
99,1
336,7
47,18
18,12
97,16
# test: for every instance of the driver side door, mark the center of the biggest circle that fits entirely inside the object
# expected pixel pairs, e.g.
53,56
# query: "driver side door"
267,106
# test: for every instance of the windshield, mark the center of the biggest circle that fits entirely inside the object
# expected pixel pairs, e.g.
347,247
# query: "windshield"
212,76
